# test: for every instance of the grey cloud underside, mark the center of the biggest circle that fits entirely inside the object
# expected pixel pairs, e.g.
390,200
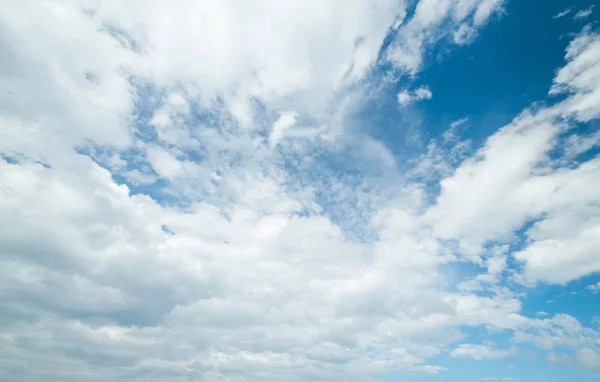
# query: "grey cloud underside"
227,262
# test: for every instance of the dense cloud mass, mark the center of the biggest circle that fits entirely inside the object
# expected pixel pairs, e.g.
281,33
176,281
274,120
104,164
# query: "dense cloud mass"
169,213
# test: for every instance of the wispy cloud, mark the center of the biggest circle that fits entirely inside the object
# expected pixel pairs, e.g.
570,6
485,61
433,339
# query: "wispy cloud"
478,352
563,13
584,13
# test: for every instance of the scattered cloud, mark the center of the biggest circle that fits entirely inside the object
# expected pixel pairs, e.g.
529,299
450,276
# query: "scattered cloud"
520,184
432,21
406,97
584,13
594,288
459,122
563,13
177,184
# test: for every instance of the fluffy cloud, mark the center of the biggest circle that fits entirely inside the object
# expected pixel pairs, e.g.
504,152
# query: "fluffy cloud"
526,185
168,216
116,273
405,97
284,122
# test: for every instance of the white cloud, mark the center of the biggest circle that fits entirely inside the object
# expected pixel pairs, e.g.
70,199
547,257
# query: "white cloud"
407,97
594,288
165,165
584,13
139,178
459,122
241,58
478,352
577,144
465,34
482,185
559,332
428,26
283,123
404,97
229,268
518,187
188,285
442,155
561,258
234,57
423,93
562,13
579,77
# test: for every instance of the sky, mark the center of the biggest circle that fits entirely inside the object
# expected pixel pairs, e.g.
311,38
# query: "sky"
337,190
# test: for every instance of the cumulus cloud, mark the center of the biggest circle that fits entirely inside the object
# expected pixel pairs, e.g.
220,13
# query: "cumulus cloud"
165,218
561,332
406,97
523,186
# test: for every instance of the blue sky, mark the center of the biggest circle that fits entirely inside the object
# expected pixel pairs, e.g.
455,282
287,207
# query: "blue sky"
343,190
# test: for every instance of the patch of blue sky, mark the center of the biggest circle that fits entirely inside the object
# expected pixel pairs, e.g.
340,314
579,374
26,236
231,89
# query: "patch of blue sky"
572,298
